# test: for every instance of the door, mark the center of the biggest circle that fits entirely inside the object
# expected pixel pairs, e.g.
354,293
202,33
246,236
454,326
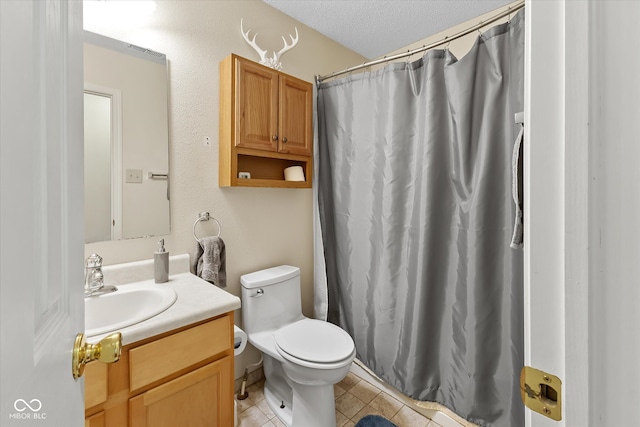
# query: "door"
256,106
41,220
294,116
582,202
544,200
102,163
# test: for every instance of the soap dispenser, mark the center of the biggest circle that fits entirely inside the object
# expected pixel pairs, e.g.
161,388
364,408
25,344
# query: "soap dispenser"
161,263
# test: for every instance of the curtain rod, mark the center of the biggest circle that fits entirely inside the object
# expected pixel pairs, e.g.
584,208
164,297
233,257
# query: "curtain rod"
447,39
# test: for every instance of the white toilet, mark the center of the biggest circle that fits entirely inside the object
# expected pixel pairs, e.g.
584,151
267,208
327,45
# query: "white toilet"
303,358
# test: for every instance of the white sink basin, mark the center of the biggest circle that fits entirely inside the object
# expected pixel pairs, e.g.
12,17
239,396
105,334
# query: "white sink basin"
129,305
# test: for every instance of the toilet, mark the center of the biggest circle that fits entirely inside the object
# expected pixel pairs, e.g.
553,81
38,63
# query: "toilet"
303,358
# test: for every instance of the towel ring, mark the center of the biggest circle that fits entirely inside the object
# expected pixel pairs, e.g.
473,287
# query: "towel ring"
204,216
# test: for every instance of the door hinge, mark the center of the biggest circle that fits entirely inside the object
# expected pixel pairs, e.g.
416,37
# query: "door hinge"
541,392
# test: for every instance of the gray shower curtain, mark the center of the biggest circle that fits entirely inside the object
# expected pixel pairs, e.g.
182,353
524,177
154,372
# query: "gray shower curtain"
414,193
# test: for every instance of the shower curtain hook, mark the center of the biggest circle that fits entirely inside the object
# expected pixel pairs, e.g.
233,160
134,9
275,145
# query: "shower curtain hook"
480,33
366,75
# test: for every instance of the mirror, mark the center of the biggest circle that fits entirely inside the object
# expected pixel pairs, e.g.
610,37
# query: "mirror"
126,140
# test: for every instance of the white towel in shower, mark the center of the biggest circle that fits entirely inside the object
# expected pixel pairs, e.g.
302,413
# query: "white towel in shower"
209,261
518,232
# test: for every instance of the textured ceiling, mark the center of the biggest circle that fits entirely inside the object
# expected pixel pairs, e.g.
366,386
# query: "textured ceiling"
374,28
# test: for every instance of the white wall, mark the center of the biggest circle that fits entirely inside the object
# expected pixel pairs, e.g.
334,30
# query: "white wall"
261,227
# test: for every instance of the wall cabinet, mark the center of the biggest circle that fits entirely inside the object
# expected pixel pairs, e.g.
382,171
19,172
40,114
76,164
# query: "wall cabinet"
265,125
181,378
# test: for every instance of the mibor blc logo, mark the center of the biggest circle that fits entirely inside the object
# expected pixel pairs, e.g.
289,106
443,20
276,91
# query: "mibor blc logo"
28,410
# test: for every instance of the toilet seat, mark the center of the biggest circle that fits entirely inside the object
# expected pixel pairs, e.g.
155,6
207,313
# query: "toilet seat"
311,342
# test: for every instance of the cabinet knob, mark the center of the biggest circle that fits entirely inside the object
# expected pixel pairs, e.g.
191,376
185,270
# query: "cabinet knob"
284,139
274,137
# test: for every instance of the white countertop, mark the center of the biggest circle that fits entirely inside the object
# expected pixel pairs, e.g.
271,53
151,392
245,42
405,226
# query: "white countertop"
197,300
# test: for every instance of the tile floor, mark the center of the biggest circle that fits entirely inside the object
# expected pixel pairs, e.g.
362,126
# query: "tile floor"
355,398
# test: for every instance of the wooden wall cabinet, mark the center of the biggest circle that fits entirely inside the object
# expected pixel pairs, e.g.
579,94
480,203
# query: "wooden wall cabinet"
265,125
180,378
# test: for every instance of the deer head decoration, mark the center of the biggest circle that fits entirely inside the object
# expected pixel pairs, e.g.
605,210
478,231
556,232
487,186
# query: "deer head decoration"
274,61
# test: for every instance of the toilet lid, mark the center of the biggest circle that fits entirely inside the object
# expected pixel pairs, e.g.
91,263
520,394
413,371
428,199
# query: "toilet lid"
314,341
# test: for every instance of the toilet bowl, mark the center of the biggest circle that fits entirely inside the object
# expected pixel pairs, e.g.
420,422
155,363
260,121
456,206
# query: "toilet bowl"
303,358
308,346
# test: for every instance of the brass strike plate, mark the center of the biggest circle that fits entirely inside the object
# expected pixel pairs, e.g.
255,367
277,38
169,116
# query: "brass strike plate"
541,392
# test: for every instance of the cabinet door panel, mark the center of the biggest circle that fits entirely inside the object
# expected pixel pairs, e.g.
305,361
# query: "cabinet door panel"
295,116
95,388
202,398
257,107
96,420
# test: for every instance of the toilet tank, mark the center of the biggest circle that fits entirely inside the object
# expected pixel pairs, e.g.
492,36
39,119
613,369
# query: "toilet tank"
270,298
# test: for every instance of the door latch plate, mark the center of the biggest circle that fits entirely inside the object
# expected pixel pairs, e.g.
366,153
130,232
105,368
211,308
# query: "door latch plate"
541,392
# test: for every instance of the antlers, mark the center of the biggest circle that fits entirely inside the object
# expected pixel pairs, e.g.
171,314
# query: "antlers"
273,62
253,43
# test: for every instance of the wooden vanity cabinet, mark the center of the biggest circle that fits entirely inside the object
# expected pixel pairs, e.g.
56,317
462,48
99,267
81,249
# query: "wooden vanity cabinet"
186,401
180,378
265,125
95,392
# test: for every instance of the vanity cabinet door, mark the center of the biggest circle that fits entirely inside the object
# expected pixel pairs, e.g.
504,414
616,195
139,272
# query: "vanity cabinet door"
95,385
201,398
96,420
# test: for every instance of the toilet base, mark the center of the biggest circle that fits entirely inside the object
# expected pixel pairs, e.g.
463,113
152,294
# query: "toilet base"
314,406
275,402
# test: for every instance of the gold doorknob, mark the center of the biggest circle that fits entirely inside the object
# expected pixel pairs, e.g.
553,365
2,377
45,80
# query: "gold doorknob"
108,350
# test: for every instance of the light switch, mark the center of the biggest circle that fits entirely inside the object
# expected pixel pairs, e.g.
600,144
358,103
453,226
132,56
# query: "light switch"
134,176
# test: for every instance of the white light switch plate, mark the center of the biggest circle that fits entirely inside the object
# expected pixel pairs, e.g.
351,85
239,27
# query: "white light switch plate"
134,176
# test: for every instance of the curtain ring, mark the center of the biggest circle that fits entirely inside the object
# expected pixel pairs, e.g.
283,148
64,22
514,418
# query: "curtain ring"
446,42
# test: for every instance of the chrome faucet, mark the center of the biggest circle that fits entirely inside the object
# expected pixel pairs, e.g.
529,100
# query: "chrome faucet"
93,277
